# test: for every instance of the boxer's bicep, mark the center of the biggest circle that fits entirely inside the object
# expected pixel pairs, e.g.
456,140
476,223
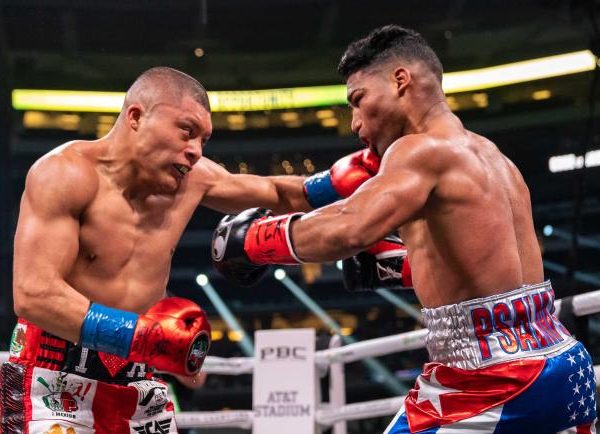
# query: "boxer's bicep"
401,189
391,199
381,205
46,240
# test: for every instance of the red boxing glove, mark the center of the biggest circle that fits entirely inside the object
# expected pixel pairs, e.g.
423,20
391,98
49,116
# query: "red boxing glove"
173,336
351,171
243,245
268,240
392,257
344,177
385,265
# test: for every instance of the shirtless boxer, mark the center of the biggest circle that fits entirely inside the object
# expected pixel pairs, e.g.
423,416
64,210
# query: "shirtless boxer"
501,362
98,225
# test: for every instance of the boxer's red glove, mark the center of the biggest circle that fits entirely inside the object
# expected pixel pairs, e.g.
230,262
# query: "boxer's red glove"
173,336
244,245
385,265
342,179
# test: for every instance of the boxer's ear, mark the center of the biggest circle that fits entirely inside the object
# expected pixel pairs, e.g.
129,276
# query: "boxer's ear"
402,78
133,113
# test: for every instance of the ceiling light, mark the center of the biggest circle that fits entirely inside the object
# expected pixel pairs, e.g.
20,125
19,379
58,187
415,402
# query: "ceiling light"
324,114
330,122
541,94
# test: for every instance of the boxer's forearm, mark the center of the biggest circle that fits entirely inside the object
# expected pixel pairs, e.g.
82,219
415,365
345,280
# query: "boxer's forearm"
235,193
331,233
380,206
289,194
52,305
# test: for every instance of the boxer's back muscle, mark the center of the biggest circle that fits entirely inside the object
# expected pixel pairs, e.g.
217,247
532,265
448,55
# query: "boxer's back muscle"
475,236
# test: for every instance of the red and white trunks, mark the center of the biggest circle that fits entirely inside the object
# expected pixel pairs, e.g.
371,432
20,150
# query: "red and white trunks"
51,386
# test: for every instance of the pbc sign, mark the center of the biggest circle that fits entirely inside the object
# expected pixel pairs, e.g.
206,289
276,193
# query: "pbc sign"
283,352
283,384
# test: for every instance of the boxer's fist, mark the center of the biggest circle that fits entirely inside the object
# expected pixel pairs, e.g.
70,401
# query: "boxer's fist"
342,179
173,336
244,244
385,265
227,249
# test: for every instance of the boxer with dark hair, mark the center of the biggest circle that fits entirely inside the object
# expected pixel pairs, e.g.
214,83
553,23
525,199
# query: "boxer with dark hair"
501,362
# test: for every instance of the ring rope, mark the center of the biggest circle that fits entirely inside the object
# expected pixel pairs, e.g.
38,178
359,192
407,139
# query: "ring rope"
583,304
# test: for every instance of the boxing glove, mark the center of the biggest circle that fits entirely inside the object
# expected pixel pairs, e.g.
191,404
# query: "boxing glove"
243,245
342,179
385,265
172,336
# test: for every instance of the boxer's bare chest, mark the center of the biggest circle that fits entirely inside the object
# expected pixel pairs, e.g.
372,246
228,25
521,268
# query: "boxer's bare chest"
124,239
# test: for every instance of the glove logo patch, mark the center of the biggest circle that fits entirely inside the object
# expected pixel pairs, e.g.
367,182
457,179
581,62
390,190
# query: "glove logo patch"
197,353
219,242
386,273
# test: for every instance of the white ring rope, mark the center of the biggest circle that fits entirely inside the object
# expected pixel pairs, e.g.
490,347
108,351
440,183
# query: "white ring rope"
359,410
583,304
215,419
372,348
228,366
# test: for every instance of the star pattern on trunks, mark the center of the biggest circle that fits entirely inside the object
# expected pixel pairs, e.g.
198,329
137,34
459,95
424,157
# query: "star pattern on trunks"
432,390
582,381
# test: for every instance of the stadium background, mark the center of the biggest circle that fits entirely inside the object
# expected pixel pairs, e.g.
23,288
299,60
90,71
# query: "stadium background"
91,45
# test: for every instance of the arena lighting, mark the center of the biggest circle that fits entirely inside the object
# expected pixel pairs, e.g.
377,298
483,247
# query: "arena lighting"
67,100
220,101
346,331
578,275
315,96
582,240
378,370
567,162
279,274
519,72
201,279
404,306
236,330
216,335
539,95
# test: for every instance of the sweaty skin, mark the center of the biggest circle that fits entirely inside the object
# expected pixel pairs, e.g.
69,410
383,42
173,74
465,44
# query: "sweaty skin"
99,220
462,208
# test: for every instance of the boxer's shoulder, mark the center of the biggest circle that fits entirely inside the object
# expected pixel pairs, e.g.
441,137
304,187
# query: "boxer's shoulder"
206,174
66,175
423,147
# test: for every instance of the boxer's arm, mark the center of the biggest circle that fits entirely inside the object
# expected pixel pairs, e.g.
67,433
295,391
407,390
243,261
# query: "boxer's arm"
409,172
57,190
231,193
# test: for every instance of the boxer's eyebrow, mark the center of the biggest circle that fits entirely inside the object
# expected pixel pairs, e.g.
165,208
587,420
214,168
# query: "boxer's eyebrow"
350,96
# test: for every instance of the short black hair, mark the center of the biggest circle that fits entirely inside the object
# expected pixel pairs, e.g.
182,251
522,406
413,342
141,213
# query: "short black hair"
385,43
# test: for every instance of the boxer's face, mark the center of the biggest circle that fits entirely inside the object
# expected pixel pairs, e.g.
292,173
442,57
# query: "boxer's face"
373,98
172,138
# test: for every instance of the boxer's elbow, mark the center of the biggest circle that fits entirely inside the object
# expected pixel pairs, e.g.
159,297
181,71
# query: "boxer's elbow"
351,237
30,298
357,242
